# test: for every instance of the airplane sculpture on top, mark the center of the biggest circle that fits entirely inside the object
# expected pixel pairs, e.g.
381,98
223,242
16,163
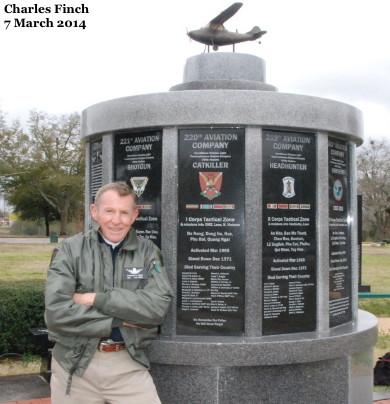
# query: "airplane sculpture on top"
215,34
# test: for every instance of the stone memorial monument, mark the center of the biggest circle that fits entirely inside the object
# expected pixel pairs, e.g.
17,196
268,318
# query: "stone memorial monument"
251,194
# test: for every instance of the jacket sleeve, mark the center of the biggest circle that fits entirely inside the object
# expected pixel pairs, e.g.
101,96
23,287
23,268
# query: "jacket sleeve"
146,306
62,315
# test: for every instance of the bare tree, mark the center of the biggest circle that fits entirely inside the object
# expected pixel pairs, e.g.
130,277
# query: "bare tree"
373,164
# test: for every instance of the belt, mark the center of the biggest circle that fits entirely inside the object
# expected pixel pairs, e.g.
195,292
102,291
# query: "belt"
111,346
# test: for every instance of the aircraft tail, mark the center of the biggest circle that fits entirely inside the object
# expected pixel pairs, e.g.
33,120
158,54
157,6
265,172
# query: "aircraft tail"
256,32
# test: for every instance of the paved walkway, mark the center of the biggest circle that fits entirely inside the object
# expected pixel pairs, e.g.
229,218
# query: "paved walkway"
26,240
382,397
24,389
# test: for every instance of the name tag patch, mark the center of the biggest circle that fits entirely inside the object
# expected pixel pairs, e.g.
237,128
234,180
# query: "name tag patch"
135,273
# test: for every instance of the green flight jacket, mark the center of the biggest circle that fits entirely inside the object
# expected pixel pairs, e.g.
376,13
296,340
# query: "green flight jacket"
82,264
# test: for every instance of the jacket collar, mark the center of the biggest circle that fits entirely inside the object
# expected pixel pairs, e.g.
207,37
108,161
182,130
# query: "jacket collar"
131,240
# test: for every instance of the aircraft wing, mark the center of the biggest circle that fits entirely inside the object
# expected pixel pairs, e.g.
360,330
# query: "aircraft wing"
226,14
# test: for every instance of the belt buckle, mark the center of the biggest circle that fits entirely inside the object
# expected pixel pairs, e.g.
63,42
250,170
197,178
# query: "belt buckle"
110,346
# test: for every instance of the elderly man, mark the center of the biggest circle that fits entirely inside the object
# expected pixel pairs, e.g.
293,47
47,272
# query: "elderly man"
106,293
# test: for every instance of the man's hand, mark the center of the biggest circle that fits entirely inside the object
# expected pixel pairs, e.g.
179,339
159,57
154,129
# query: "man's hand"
86,299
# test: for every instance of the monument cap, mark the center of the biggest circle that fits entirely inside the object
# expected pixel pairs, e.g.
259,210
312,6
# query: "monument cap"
223,71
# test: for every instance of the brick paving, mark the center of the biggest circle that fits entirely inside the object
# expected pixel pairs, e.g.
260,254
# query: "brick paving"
48,401
36,401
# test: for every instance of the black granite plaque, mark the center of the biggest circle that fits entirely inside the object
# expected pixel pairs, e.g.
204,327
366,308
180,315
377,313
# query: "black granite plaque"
289,232
137,160
340,266
211,236
96,167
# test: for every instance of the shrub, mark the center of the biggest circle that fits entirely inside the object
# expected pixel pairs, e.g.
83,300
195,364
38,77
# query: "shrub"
21,308
25,228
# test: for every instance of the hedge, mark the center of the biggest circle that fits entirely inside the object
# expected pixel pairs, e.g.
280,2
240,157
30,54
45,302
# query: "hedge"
21,308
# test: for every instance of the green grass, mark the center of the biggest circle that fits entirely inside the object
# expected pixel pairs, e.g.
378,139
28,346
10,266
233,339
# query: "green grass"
378,307
376,268
4,231
376,273
24,261
30,261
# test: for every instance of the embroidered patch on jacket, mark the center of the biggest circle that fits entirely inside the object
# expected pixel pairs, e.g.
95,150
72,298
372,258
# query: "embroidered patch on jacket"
135,273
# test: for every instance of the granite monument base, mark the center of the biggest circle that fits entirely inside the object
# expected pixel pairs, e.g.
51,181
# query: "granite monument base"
305,368
297,336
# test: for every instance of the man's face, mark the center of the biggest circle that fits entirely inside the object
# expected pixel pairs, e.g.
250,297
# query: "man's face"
115,215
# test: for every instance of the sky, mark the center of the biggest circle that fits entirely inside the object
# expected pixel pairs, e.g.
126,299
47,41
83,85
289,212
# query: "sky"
336,49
